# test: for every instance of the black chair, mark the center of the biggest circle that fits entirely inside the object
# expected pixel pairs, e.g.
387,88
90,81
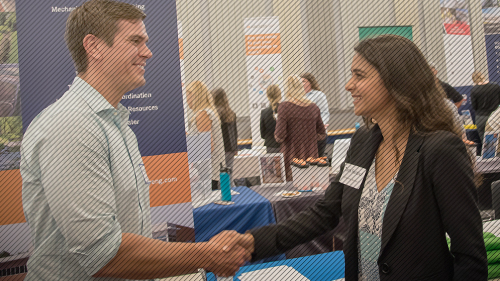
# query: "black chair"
495,198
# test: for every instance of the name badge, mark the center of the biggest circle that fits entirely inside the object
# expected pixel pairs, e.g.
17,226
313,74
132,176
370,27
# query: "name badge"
144,174
352,176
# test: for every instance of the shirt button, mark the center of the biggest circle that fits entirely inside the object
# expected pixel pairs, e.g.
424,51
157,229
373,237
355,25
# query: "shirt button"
116,113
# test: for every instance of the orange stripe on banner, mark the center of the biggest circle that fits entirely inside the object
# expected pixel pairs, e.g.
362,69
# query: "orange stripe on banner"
169,176
181,48
11,197
263,44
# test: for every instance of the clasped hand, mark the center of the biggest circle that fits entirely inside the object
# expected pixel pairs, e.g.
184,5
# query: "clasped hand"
229,251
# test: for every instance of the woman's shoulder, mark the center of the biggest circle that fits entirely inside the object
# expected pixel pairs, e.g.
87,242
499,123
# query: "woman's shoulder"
441,140
211,113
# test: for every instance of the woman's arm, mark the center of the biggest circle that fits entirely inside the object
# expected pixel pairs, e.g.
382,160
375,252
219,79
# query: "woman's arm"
452,178
204,124
305,226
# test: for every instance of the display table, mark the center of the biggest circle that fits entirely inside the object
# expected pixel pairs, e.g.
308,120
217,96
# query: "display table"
324,267
285,208
488,166
249,211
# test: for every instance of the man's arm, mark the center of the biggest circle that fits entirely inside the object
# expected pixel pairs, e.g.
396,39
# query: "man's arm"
453,95
78,185
144,258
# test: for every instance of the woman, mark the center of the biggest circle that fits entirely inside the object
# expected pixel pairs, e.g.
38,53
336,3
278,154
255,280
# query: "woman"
228,125
205,120
268,119
299,125
315,95
485,98
407,181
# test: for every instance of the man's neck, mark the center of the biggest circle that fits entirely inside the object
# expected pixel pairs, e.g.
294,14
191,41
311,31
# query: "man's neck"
112,93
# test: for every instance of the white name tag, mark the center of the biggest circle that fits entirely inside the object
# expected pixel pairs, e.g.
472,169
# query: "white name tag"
353,175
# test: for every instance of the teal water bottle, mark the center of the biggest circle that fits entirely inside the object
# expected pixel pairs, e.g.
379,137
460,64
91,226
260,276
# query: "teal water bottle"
225,184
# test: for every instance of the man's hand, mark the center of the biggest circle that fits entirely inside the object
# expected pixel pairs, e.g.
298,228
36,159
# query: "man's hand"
229,250
225,263
230,238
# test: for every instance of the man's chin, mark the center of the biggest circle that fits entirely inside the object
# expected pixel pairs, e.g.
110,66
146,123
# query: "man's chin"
138,83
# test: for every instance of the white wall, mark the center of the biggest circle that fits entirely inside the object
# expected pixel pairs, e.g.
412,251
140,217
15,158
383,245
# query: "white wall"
215,51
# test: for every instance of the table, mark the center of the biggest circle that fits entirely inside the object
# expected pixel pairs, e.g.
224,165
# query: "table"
323,267
488,166
249,211
287,207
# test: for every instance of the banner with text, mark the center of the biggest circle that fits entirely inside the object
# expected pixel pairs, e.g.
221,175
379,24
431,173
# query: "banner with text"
45,71
263,56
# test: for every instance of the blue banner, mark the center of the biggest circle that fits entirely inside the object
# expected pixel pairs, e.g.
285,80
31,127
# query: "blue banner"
493,56
46,70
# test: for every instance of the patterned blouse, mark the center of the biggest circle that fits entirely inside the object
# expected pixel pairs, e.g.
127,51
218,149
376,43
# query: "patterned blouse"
371,211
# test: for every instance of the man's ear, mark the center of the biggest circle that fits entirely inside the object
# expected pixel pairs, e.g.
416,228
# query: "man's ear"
93,46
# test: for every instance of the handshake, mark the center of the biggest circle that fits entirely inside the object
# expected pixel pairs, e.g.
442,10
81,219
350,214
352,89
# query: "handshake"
228,251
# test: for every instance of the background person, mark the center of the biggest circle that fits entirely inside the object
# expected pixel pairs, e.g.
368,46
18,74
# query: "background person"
228,125
451,93
315,95
88,214
205,120
407,181
485,98
268,119
299,125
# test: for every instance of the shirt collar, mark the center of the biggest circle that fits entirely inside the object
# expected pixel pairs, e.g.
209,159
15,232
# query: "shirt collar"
91,96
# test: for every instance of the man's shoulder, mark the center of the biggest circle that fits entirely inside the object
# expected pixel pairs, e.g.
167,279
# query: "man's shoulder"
68,112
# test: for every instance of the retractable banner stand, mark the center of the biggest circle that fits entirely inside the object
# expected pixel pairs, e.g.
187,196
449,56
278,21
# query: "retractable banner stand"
455,22
263,55
45,73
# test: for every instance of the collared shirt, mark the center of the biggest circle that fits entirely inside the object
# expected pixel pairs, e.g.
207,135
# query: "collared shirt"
82,185
319,98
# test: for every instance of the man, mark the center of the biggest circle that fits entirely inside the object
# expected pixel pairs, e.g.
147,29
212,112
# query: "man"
451,93
86,207
314,94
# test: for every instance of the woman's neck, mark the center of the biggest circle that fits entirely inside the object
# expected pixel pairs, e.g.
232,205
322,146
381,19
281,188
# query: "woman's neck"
392,130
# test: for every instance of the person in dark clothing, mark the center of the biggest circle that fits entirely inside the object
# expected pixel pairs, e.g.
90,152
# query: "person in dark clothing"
451,93
485,98
228,125
268,119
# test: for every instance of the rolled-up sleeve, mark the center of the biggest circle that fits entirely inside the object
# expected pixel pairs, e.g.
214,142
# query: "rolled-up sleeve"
78,184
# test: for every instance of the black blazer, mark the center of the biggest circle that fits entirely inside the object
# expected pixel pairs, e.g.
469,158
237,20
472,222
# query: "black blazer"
434,194
267,127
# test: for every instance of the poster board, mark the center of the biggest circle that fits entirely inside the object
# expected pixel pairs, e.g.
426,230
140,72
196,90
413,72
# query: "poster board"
264,67
44,72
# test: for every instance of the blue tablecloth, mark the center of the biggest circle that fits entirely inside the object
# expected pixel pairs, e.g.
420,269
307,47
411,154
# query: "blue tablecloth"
324,267
249,211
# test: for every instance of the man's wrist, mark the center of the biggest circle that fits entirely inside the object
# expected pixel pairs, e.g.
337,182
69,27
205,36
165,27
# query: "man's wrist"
204,252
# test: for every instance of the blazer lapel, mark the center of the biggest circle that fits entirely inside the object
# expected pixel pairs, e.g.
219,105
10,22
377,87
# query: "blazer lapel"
402,189
362,155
